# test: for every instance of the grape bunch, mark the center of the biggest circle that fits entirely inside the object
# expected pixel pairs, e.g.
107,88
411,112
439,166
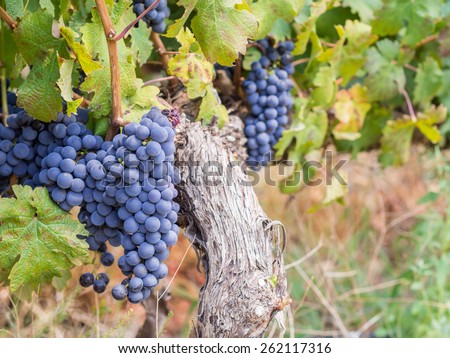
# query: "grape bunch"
156,17
11,99
25,143
268,88
124,188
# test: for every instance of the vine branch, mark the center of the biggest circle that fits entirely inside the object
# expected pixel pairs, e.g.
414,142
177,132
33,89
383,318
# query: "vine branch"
161,49
7,19
135,21
409,105
116,114
156,80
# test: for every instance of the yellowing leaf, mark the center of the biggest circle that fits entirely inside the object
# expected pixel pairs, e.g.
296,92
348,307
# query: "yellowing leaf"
191,68
84,58
37,240
350,109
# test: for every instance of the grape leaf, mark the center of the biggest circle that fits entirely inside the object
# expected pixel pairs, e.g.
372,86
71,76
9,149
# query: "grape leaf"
48,5
191,68
38,95
385,78
38,239
211,108
65,81
325,83
396,142
136,106
221,27
15,8
140,45
309,26
307,132
429,82
397,135
350,109
427,121
267,12
365,9
281,30
34,39
86,62
99,82
349,53
417,15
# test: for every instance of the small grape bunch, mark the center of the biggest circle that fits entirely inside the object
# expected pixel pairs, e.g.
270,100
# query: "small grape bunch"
99,282
156,17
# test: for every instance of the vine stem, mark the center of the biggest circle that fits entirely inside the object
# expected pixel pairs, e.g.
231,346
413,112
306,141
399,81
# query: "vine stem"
156,80
161,49
3,96
7,18
116,114
237,76
409,105
135,21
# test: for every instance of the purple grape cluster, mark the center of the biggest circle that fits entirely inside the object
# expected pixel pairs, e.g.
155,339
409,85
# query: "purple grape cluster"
124,188
156,17
128,201
268,88
25,142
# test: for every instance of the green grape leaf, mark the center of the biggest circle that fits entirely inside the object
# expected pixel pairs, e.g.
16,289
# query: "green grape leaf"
48,5
307,132
38,95
38,240
211,108
349,53
306,29
325,89
397,134
396,141
15,8
140,45
281,30
84,58
350,109
99,82
385,79
267,12
222,28
136,106
34,39
365,9
429,82
93,35
191,68
416,16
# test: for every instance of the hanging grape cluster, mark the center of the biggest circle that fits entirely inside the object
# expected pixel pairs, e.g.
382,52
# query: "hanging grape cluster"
268,88
156,17
124,188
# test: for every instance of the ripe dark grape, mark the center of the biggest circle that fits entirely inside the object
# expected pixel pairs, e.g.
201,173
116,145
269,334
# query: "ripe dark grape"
87,279
268,93
156,17
99,286
119,292
107,259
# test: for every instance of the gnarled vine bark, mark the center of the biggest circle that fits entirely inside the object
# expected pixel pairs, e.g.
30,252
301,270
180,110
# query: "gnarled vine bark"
240,247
